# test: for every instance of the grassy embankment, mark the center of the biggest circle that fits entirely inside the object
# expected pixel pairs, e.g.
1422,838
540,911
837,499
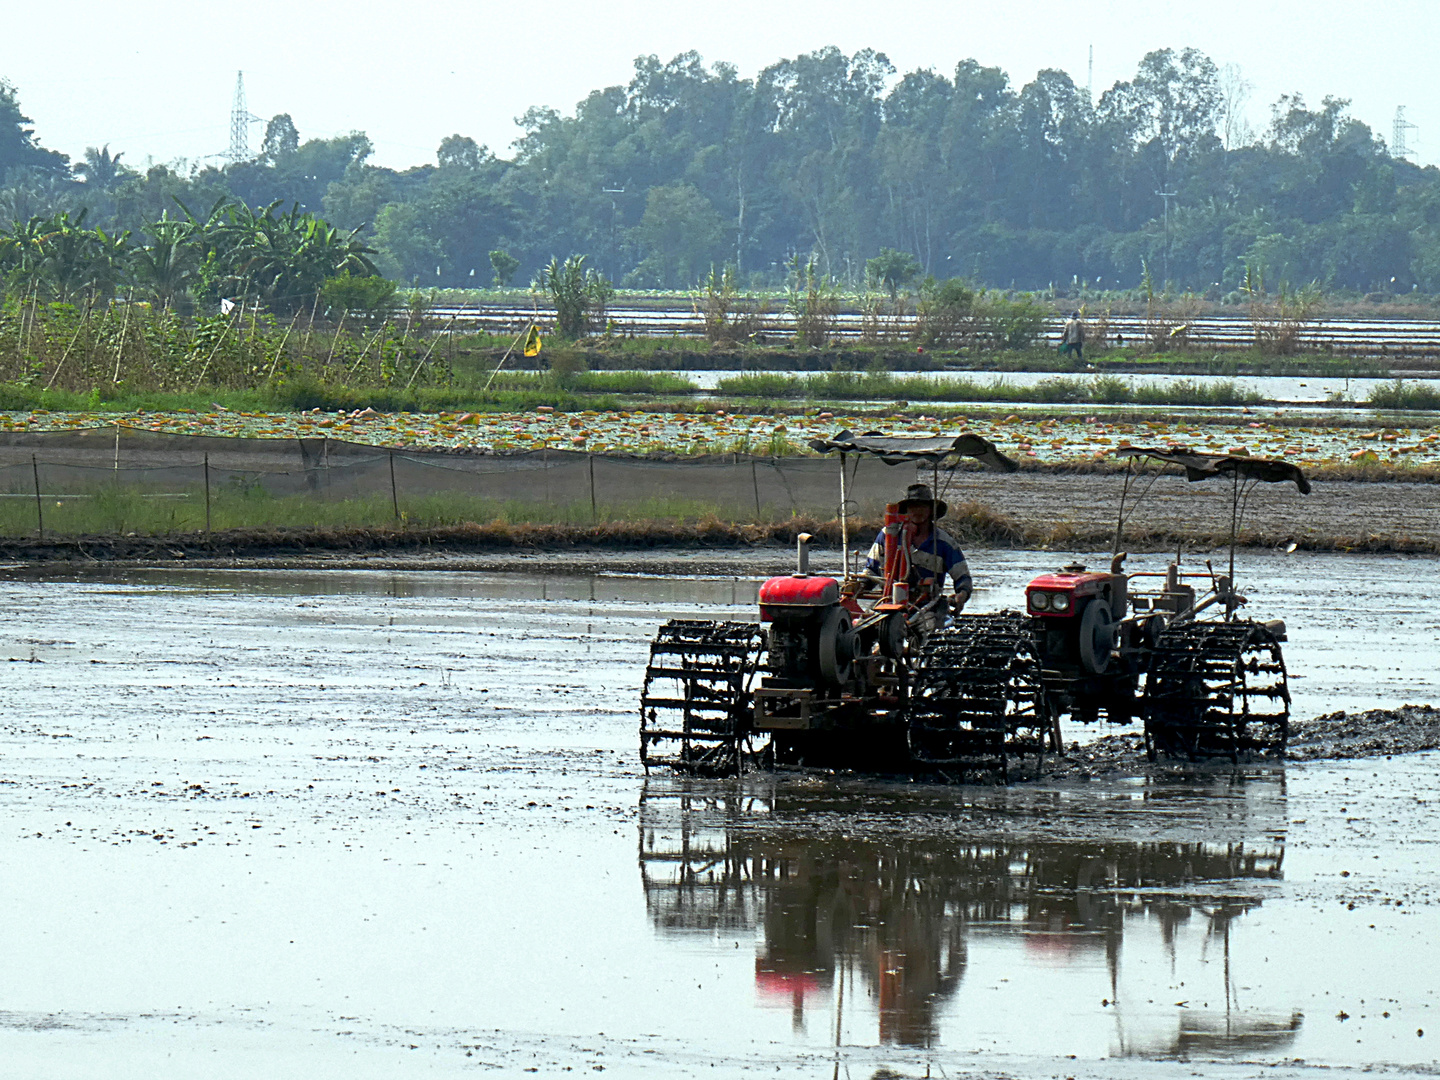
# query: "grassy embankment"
124,526
520,391
60,358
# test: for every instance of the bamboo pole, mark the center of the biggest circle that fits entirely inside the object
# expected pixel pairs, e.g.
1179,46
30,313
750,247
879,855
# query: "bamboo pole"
426,358
335,339
84,321
23,341
507,355
280,349
207,495
120,345
305,345
39,508
219,341
594,513
366,351
394,494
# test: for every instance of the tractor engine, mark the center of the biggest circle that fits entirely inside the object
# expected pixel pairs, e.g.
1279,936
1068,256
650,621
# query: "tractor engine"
1076,616
812,643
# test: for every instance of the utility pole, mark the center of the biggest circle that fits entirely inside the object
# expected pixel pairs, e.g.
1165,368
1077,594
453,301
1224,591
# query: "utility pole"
1167,196
1399,134
1090,78
614,216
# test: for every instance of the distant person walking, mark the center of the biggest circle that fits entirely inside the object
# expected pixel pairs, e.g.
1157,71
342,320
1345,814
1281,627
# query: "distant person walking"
1072,341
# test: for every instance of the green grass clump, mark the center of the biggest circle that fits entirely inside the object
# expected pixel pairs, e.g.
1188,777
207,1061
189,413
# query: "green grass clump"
1402,395
292,395
595,382
1056,390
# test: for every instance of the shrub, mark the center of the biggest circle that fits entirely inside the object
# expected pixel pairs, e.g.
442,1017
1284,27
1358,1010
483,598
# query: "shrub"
1010,324
945,313
368,295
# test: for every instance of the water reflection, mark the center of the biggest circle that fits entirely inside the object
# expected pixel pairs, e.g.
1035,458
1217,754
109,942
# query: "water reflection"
894,913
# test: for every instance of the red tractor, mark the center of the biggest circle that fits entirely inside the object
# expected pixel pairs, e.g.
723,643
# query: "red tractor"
873,674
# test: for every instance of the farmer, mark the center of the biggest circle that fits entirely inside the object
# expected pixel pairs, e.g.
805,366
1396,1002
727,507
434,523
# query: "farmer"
1072,341
934,554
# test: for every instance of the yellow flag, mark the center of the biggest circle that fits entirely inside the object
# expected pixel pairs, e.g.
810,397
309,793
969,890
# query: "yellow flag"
532,342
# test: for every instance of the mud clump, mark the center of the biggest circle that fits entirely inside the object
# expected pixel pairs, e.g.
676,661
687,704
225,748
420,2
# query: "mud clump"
1373,733
1334,736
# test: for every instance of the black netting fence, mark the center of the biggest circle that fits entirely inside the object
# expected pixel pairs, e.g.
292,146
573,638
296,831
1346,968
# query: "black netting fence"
123,480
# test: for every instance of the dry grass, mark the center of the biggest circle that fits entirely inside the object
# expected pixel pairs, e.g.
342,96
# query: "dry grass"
971,524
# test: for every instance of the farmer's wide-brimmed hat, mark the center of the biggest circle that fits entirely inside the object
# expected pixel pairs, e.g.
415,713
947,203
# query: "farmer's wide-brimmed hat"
921,493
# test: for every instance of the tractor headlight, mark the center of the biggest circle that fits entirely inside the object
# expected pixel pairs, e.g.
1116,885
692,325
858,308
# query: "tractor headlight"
1039,601
1060,602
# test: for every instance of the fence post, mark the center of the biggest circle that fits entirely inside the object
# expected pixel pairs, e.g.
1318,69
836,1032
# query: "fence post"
207,493
594,514
39,510
755,483
394,495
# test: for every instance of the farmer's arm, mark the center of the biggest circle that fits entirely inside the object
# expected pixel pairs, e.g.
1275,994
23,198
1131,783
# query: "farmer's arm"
959,571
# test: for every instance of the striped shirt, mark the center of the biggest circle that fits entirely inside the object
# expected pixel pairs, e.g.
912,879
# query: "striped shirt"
937,554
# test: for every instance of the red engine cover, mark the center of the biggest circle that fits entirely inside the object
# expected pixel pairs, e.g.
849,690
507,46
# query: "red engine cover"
1077,585
796,591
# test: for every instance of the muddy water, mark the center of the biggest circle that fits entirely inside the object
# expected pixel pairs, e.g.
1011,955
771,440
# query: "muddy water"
326,824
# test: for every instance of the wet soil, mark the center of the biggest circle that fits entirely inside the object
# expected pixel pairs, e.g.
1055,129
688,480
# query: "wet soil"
314,823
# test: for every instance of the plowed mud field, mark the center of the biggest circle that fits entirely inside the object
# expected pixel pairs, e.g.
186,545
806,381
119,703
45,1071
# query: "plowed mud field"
293,823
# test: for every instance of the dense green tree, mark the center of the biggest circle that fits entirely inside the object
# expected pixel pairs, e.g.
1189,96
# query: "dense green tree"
827,159
504,265
892,270
680,235
19,149
281,139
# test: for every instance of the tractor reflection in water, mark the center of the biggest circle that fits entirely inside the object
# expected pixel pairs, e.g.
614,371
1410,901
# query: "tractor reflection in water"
887,925
874,675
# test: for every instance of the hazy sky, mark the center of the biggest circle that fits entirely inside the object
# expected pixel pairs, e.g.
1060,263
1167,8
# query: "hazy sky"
155,80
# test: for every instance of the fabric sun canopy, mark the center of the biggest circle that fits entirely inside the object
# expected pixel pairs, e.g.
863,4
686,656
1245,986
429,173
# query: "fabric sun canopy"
898,449
1207,466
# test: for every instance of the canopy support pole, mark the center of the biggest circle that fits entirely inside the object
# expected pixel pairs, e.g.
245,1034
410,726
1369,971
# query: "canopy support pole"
1120,521
844,522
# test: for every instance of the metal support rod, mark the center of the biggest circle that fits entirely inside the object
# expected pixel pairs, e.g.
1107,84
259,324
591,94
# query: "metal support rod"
39,509
1120,520
207,494
1234,521
755,483
594,513
844,523
394,494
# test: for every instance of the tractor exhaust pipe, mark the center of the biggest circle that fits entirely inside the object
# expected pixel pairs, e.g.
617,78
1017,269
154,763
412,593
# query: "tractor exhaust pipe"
802,555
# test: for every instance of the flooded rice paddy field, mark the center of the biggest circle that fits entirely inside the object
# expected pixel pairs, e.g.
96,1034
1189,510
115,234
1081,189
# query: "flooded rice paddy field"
1285,389
392,823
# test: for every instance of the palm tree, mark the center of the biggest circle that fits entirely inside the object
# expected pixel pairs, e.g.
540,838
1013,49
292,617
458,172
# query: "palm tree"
99,168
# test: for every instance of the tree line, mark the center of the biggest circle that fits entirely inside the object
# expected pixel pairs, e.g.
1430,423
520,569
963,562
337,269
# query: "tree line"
823,159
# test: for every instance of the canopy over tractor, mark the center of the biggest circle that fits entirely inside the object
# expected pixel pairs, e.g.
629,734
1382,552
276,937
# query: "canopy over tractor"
899,449
872,672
